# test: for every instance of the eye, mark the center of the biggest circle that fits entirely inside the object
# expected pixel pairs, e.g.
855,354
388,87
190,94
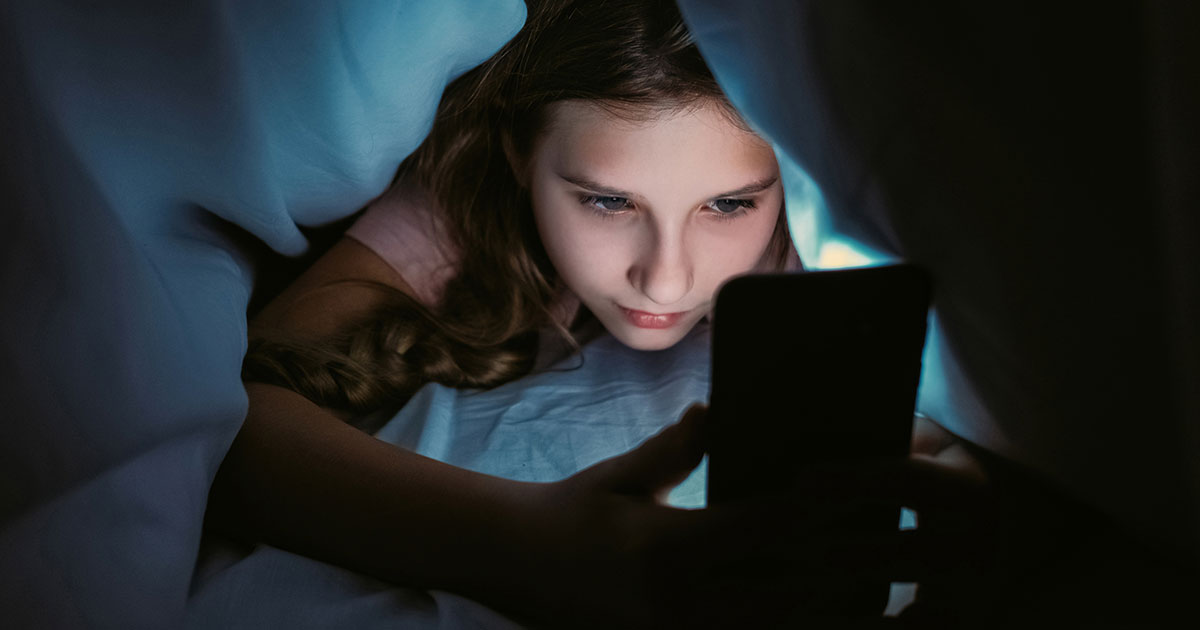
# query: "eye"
731,207
604,203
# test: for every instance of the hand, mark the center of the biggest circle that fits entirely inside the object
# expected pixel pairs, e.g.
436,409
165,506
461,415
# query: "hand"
982,523
606,552
603,551
611,554
997,546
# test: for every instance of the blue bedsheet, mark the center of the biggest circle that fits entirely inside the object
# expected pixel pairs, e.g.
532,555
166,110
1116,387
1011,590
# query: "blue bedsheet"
547,426
543,427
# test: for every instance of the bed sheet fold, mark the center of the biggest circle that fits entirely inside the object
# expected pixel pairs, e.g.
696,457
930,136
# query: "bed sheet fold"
143,141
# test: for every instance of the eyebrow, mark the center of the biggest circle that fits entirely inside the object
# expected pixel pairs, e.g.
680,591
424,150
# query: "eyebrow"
749,189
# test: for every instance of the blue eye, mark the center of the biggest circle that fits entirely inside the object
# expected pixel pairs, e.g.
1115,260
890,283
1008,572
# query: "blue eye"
730,206
604,203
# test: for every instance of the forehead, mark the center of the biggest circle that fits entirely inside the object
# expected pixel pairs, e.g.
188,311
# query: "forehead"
583,138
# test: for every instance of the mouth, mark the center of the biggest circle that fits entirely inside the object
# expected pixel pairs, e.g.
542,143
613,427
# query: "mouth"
656,321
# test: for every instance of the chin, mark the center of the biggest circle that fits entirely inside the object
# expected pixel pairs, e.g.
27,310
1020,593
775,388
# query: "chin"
649,339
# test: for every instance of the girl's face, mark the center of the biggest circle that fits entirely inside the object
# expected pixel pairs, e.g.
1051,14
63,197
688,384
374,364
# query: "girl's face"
645,220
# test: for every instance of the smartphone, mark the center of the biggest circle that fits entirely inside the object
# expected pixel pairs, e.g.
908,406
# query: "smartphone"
810,366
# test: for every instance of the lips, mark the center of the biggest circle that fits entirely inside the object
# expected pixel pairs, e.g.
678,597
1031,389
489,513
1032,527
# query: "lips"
642,319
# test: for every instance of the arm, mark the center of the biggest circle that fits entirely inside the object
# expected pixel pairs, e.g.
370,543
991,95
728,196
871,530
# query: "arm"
1003,546
594,550
298,477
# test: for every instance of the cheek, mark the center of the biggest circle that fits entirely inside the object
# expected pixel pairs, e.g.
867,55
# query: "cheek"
585,251
735,249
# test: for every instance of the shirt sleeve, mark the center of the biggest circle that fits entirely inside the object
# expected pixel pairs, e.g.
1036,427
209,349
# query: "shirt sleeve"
402,228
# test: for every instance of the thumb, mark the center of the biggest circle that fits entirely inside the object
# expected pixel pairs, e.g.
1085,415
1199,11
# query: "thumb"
661,462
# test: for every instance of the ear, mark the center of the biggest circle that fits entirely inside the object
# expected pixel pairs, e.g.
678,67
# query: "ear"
518,163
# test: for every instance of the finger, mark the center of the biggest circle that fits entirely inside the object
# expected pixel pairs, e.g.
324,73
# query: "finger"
793,601
928,437
705,540
740,531
660,463
780,537
775,552
917,482
903,556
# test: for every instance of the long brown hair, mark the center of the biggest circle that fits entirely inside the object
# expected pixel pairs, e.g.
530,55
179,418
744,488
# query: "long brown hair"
634,57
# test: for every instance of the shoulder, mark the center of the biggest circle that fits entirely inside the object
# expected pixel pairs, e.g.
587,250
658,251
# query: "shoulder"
342,287
405,229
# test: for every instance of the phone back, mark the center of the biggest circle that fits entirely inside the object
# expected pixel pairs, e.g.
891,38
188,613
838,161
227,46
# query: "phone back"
814,366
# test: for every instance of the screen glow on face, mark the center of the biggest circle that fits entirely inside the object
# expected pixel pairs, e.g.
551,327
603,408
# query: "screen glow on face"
644,220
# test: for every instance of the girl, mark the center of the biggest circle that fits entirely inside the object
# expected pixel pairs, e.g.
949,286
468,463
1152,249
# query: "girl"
594,162
590,175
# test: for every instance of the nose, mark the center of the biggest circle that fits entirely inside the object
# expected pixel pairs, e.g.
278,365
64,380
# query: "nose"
663,270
